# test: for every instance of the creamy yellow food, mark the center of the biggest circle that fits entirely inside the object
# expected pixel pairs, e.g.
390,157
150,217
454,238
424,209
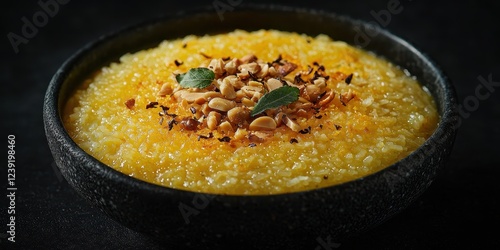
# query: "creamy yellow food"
366,115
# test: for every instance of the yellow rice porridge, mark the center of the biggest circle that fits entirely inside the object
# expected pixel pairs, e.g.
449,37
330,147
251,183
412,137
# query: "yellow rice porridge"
261,112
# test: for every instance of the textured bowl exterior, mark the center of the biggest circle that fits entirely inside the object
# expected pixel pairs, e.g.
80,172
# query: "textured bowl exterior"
296,220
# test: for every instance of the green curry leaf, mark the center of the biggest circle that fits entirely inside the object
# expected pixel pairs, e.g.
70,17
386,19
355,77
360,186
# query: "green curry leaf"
196,78
276,98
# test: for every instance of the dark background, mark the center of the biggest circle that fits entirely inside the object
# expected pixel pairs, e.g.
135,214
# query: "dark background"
460,209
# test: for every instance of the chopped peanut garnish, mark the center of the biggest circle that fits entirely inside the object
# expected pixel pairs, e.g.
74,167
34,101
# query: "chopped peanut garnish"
226,104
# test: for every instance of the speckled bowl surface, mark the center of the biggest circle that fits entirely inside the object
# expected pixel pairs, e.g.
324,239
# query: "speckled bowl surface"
284,221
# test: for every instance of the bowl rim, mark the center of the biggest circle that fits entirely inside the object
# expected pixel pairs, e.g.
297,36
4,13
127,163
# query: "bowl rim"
52,114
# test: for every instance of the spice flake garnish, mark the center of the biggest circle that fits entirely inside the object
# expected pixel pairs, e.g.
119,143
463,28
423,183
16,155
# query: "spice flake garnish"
205,55
224,139
348,79
210,135
130,103
306,130
178,63
151,105
171,124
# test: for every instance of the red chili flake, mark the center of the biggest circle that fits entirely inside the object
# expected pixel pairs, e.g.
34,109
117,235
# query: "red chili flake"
252,145
184,45
210,135
205,55
338,127
348,79
325,177
293,140
130,103
306,130
151,105
318,117
189,123
224,139
316,64
226,58
321,126
178,63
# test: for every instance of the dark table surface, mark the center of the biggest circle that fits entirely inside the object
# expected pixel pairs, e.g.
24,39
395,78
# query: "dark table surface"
460,209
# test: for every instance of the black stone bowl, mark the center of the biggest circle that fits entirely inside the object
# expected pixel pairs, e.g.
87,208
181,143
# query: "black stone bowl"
297,220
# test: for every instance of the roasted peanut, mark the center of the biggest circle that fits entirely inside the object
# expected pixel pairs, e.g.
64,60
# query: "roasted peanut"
291,124
213,119
217,66
263,123
250,67
273,83
221,104
227,90
325,99
238,115
248,58
225,127
165,90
